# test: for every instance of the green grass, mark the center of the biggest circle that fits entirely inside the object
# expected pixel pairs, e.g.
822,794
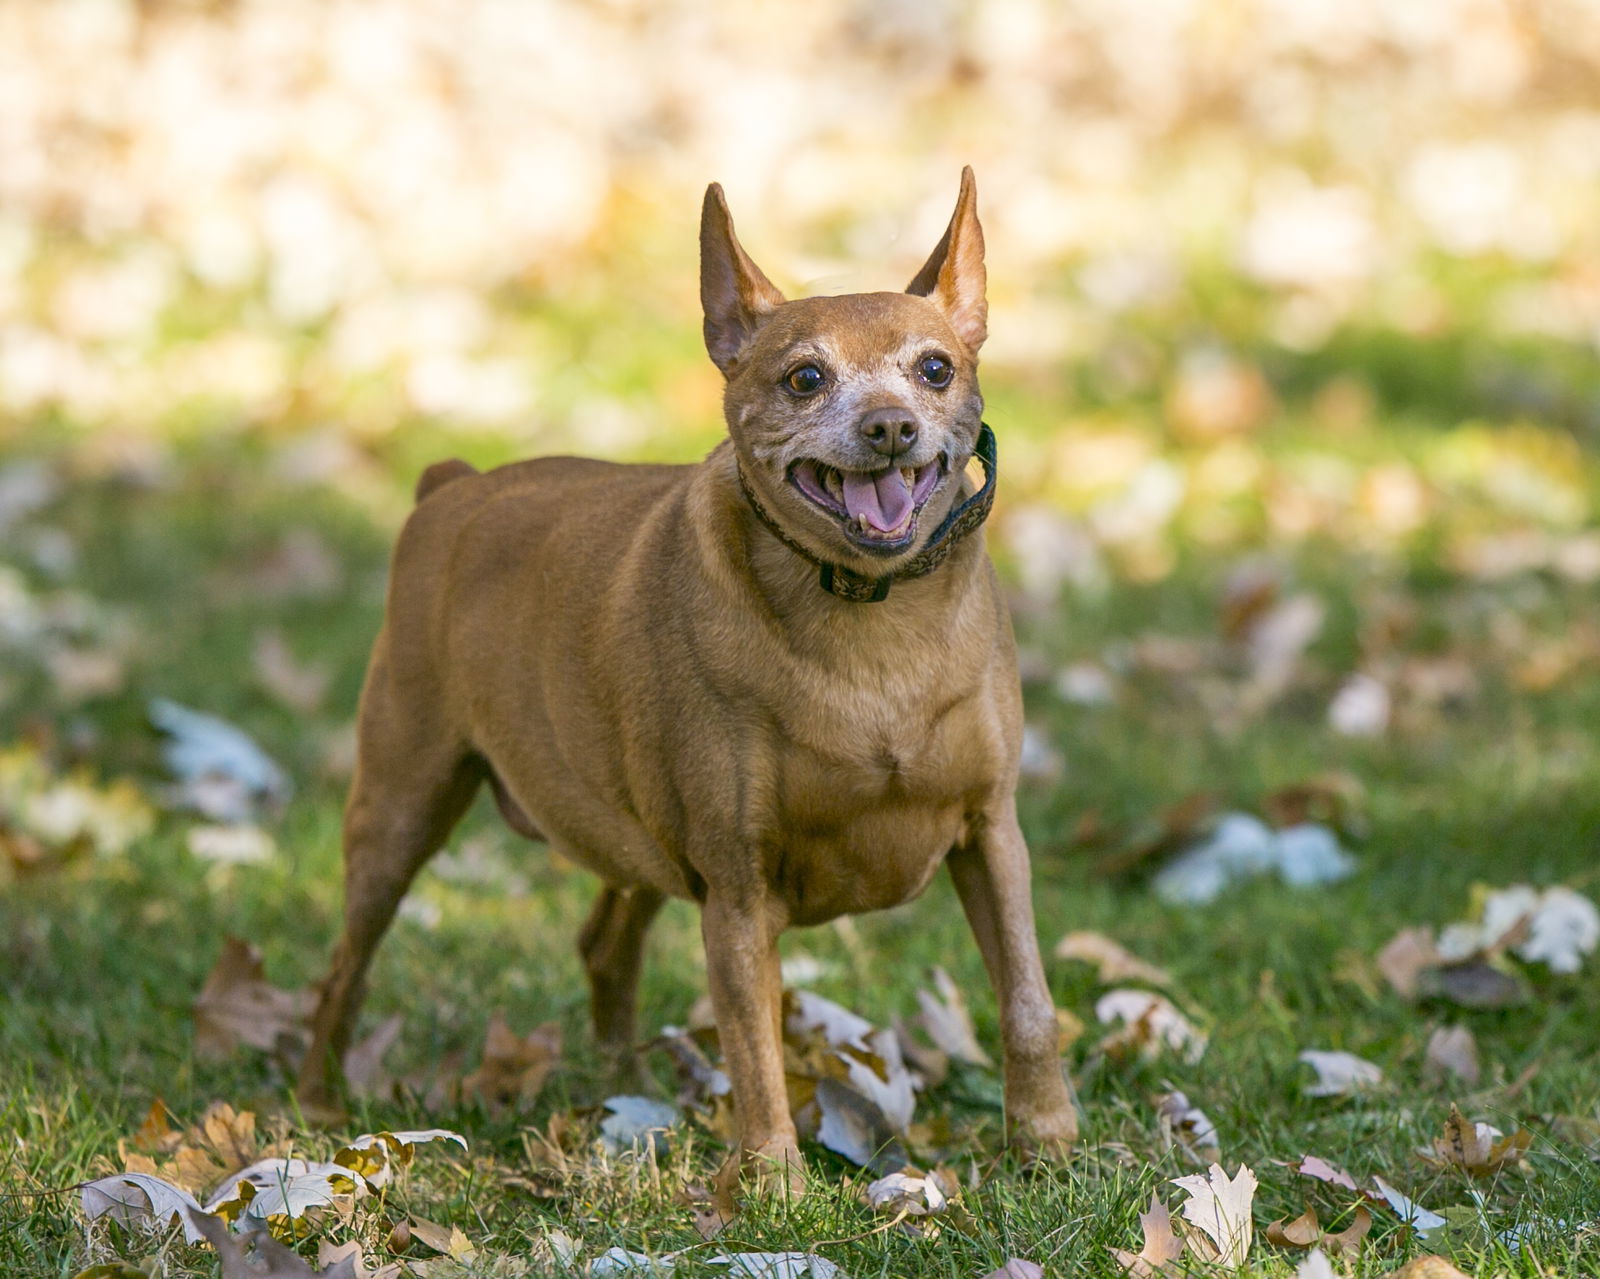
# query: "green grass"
101,960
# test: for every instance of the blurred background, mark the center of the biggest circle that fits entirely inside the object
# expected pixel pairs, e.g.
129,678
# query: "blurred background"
1294,309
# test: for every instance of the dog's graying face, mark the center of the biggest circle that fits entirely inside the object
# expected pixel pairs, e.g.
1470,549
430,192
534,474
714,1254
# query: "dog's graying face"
854,416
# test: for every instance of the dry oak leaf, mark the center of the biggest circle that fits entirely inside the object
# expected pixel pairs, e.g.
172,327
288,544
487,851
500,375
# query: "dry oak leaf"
223,1141
1161,1245
1476,1147
514,1068
136,1198
1220,1208
1114,961
156,1135
238,1005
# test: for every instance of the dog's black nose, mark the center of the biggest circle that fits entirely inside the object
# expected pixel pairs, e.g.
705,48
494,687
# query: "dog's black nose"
890,431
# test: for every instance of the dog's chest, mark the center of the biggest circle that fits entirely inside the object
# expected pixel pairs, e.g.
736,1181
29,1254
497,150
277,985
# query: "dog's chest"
871,797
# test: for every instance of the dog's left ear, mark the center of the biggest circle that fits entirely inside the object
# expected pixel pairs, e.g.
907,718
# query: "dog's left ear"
734,294
954,276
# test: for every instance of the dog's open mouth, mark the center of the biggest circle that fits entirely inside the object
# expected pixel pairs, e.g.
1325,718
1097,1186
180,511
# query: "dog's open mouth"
878,509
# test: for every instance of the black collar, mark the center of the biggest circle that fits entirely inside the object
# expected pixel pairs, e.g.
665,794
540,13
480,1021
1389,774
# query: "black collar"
859,588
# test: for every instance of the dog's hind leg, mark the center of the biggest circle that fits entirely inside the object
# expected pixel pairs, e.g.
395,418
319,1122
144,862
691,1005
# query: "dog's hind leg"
611,944
409,791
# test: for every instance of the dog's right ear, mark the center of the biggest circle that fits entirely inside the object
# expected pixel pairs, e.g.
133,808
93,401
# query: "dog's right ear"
734,294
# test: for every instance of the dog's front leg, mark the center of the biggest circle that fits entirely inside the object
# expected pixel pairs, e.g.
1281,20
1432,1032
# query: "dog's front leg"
747,997
992,879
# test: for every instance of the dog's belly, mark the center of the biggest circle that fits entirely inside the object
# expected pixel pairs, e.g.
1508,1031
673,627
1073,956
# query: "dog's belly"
876,858
866,828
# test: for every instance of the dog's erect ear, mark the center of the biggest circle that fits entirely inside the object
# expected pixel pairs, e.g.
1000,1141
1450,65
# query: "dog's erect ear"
954,276
733,293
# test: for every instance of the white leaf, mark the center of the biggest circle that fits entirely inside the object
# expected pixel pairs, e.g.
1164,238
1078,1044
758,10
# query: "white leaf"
1221,1208
1412,1213
235,845
1187,1124
282,1187
634,1121
1360,708
839,1026
1151,1023
893,1092
137,1198
853,1126
1564,928
203,746
777,1265
1339,1073
405,1139
619,1261
1315,1266
907,1191
945,1018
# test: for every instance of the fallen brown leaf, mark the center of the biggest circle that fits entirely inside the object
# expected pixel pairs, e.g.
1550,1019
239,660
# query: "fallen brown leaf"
156,1135
237,1005
271,1260
1332,799
1403,960
1349,1239
1017,1268
1476,1147
1161,1245
514,1067
1305,1231
1115,963
1452,1054
1176,825
301,686
1430,1267
363,1062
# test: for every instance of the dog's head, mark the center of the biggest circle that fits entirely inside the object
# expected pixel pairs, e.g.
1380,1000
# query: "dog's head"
853,416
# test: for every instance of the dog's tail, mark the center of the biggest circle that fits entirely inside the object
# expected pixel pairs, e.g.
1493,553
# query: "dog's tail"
441,473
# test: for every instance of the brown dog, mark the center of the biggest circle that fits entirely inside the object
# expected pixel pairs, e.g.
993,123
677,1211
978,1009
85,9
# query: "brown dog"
698,682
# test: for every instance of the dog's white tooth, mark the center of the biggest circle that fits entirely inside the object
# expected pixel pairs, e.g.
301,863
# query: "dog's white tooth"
861,522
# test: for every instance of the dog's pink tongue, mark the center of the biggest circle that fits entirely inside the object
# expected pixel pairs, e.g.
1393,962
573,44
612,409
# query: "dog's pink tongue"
884,498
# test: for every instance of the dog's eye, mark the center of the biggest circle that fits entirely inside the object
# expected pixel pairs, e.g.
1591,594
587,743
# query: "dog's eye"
935,370
805,380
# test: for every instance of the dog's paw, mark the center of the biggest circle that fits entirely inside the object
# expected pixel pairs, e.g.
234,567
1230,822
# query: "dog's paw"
775,1167
1046,1138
